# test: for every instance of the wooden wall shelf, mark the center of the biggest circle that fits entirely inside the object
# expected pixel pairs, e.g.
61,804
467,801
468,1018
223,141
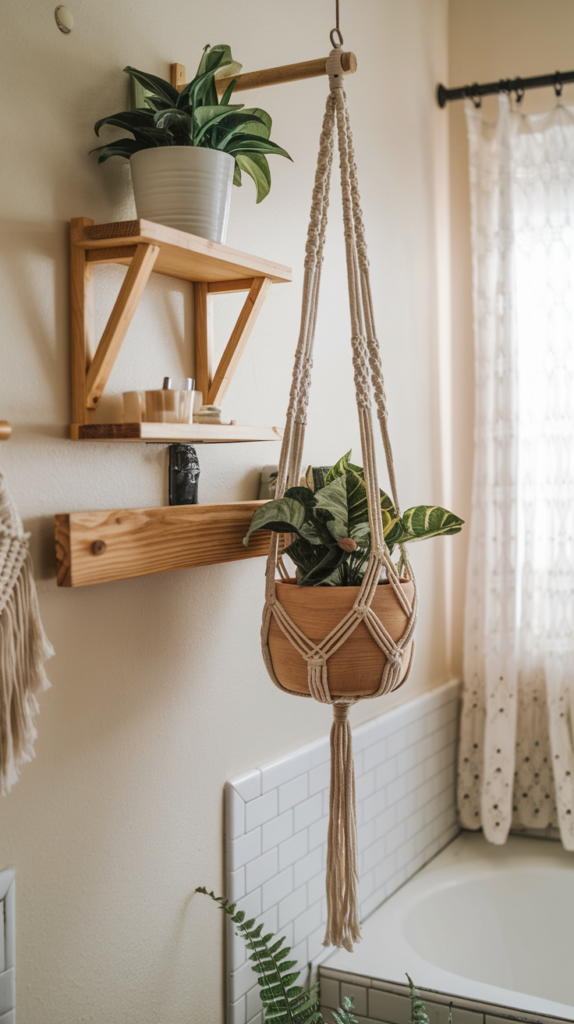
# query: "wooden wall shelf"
192,433
98,547
146,247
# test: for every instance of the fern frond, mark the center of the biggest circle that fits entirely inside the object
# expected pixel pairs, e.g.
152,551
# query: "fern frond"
283,1001
344,1015
419,1014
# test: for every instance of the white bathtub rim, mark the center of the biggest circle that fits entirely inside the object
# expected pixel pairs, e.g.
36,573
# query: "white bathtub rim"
401,956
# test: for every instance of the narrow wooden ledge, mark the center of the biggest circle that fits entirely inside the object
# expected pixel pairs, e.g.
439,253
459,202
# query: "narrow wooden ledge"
98,547
192,433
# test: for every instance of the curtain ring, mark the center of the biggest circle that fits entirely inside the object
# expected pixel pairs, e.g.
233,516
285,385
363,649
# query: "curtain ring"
336,45
474,95
519,90
558,84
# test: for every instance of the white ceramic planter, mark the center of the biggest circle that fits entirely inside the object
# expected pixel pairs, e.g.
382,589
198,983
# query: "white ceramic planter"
184,187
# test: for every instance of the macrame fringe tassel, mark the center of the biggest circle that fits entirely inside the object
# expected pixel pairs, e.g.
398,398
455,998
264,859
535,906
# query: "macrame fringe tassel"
24,648
342,869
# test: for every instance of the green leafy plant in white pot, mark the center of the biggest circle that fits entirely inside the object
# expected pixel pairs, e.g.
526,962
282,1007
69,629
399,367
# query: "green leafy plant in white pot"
189,147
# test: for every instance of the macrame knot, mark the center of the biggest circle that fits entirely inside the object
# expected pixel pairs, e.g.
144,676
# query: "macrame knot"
395,656
340,712
334,69
316,660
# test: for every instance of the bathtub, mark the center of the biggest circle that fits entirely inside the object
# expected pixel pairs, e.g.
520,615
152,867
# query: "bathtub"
489,927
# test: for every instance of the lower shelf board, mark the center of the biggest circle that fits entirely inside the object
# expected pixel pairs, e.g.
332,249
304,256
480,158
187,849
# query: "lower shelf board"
193,433
98,547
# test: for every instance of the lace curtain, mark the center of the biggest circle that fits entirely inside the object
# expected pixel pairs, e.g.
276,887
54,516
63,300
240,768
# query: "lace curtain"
516,753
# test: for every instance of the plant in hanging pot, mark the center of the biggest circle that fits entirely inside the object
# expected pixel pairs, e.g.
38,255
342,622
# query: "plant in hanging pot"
189,147
330,546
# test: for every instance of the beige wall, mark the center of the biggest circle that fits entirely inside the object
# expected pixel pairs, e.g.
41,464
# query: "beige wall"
159,692
488,40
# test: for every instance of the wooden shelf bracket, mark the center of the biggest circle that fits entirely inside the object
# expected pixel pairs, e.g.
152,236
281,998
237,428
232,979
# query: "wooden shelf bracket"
169,252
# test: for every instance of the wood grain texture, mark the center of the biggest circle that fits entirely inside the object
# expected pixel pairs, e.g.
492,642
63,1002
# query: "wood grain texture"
120,319
356,668
194,433
182,255
5,430
178,76
286,73
204,339
223,287
141,542
238,340
82,324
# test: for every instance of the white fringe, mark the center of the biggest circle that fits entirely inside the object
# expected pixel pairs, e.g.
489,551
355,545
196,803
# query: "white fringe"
24,646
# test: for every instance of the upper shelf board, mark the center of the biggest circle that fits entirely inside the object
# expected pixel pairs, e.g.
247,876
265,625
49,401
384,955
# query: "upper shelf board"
166,433
181,255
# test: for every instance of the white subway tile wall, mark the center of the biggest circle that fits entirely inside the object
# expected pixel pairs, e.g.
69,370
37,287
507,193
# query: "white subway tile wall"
276,830
382,1002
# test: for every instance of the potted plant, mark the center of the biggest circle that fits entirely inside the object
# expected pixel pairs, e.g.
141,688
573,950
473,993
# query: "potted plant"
327,517
188,147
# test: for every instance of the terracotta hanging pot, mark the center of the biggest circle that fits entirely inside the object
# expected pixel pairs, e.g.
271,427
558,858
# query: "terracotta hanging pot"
355,669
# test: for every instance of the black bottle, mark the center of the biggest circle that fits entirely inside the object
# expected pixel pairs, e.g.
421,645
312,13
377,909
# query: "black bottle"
183,475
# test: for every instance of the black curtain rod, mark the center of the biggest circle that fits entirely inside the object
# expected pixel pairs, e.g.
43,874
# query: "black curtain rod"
517,85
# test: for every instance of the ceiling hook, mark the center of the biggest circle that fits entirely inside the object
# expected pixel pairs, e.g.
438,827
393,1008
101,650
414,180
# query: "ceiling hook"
336,31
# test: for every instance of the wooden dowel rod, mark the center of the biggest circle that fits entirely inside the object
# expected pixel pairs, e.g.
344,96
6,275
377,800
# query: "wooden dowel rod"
271,76
287,73
5,430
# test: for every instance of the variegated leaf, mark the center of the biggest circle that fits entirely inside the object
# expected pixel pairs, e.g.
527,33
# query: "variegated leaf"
425,521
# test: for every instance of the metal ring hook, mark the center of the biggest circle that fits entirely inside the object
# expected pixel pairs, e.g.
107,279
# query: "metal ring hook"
558,84
336,45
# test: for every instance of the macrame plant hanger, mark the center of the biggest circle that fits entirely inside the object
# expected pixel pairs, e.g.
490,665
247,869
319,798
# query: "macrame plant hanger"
342,871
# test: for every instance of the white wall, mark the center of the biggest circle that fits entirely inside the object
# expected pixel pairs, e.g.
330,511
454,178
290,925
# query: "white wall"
489,40
159,692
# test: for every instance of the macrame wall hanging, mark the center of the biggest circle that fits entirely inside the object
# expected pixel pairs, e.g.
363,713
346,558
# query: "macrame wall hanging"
340,645
24,646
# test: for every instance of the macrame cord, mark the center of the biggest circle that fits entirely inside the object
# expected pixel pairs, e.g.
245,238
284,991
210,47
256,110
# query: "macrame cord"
24,646
342,874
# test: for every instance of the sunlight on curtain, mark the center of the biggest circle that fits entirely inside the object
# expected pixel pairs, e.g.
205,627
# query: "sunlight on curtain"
517,757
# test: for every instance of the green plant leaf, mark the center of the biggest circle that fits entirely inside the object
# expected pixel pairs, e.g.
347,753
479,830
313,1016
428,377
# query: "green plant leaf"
263,117
419,1014
344,466
425,521
257,167
174,118
129,120
123,147
320,573
213,57
157,86
255,144
200,91
282,515
228,93
234,127
237,175
344,1015
283,1002
333,498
